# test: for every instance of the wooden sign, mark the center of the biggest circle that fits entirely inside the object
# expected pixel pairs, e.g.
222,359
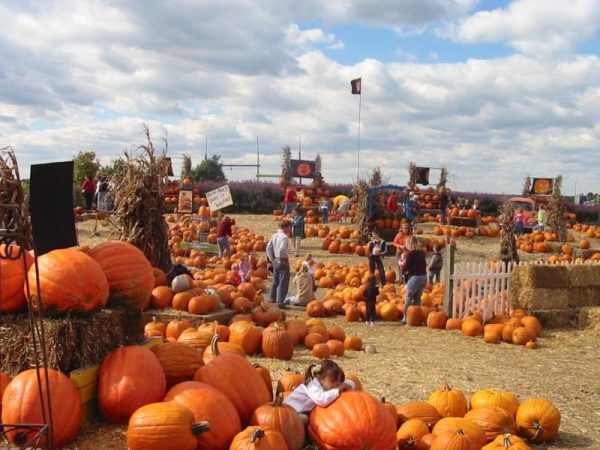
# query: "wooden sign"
184,204
219,198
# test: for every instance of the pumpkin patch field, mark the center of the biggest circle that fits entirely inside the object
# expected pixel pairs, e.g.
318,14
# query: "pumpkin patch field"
442,388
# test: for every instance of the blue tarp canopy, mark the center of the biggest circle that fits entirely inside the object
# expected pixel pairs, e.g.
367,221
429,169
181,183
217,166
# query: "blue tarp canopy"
374,189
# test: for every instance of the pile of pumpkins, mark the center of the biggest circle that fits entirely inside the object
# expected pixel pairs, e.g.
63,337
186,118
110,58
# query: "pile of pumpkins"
193,403
496,420
467,232
263,330
209,289
77,281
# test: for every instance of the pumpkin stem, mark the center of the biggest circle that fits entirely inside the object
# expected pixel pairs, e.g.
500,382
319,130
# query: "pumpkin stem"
447,387
278,400
538,430
154,319
200,427
460,432
257,433
213,345
506,443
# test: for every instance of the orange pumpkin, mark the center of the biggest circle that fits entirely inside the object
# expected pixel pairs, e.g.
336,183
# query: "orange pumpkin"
70,280
208,404
21,403
129,274
258,438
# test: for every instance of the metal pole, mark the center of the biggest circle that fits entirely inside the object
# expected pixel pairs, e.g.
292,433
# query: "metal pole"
300,153
257,161
205,148
358,141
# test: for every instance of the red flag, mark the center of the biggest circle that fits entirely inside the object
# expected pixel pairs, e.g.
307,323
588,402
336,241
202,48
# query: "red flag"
356,86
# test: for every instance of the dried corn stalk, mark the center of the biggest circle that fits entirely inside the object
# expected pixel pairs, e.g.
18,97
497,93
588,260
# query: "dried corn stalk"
443,177
362,210
412,175
557,209
14,213
186,169
508,243
286,165
526,186
318,169
139,204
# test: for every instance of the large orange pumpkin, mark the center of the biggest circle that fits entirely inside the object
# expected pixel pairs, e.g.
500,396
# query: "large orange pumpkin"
122,382
12,278
493,421
372,425
179,361
129,273
237,379
537,419
4,380
449,402
70,281
487,398
208,404
161,426
21,404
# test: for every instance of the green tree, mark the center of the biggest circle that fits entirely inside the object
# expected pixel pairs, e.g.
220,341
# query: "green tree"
86,163
209,170
117,167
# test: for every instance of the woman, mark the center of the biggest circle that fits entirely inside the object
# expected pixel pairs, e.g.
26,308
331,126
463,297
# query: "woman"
377,250
88,189
400,242
414,265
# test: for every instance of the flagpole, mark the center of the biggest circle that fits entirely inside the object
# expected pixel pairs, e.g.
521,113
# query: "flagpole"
358,140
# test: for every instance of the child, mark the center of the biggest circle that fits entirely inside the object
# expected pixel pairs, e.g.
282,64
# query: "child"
371,298
435,265
304,288
323,384
297,229
310,264
520,222
234,277
244,268
377,250
324,207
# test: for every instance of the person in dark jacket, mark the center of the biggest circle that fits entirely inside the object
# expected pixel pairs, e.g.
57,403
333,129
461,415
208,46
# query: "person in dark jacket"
435,265
377,250
415,265
371,298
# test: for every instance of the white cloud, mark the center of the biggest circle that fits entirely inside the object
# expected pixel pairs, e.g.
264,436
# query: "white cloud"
81,76
535,27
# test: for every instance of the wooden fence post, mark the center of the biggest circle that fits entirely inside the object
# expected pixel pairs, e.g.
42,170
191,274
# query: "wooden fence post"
449,283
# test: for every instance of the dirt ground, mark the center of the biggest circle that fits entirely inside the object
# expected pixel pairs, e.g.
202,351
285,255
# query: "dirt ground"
412,362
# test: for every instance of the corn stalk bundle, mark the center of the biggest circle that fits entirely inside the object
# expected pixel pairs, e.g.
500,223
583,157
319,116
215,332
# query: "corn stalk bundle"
186,170
318,169
508,243
412,175
286,165
14,218
443,178
376,178
362,210
526,186
557,209
139,204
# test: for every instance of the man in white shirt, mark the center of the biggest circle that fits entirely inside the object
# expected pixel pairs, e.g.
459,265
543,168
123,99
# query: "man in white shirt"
277,252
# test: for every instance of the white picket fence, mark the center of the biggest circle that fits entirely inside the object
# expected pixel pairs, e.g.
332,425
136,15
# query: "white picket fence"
481,287
485,287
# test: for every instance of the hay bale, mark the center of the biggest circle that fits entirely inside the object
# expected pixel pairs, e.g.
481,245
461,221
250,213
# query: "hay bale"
557,318
223,316
584,275
584,296
589,318
543,276
71,342
540,299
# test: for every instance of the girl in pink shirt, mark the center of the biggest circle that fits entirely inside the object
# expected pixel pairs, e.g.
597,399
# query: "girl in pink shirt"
323,384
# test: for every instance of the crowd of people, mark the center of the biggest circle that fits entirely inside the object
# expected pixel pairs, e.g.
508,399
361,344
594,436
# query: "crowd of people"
97,193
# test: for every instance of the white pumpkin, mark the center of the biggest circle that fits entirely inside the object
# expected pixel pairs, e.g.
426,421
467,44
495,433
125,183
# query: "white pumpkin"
181,283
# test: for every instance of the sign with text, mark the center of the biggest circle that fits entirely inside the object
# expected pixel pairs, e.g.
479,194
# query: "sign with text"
200,246
184,205
219,198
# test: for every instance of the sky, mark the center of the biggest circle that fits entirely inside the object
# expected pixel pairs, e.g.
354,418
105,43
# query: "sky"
493,90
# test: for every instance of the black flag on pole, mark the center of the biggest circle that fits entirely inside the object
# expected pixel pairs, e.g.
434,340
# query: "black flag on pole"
423,175
356,86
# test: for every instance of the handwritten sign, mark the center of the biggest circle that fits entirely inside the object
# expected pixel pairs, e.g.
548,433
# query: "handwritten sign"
219,198
200,246
184,204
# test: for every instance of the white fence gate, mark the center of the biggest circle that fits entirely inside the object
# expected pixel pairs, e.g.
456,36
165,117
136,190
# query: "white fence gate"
484,287
481,287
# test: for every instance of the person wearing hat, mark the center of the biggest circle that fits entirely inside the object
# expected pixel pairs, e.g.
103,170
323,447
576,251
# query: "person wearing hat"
277,252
